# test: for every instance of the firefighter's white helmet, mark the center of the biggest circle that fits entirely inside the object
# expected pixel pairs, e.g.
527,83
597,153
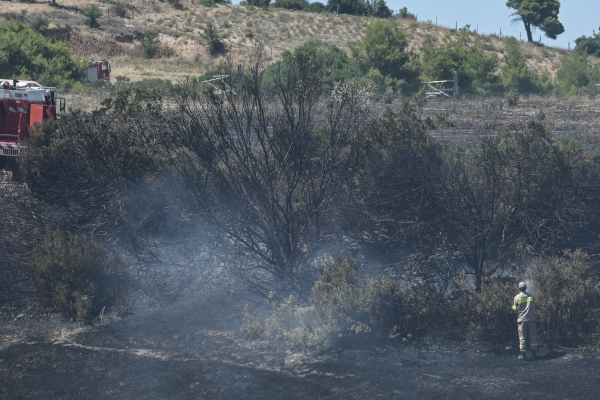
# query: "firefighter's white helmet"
522,285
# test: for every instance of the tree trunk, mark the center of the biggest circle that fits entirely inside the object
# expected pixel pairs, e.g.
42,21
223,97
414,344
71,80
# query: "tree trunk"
528,30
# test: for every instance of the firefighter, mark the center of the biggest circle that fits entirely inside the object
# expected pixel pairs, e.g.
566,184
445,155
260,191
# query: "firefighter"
524,305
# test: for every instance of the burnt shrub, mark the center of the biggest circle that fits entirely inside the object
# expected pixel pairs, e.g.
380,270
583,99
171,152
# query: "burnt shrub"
74,275
567,297
486,317
343,307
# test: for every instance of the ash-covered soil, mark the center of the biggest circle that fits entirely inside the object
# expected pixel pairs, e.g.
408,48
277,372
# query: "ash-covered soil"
193,350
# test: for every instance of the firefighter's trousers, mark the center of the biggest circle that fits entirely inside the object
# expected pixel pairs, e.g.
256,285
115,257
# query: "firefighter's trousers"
527,329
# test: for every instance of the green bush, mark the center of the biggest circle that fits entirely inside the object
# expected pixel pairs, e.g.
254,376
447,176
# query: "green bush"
376,8
515,74
39,24
92,15
208,3
330,65
291,4
26,54
567,297
316,7
404,14
212,39
384,48
74,275
576,76
590,45
150,45
120,10
476,69
259,3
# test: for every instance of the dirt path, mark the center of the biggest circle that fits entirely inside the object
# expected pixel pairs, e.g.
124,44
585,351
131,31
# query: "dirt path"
190,351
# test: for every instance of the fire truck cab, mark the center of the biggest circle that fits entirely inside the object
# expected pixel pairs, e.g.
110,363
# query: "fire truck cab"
98,70
22,105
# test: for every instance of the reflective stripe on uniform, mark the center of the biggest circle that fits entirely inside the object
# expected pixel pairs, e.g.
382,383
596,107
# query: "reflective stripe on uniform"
522,346
525,300
514,307
533,344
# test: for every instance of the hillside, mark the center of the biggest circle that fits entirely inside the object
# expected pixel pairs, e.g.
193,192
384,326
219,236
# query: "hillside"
244,28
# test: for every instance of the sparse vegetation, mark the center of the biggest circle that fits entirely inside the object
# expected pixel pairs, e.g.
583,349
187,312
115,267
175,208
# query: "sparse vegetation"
212,39
74,275
150,45
92,16
590,45
39,24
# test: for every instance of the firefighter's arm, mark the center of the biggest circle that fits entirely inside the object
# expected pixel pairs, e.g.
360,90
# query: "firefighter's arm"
514,307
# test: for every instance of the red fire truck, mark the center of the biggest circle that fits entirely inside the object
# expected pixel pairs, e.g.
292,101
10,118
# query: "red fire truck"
98,69
22,105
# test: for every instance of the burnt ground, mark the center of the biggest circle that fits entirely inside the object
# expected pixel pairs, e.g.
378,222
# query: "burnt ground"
475,118
193,350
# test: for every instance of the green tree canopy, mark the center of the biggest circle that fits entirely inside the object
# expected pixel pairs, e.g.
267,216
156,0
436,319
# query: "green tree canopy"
476,69
92,14
590,45
383,52
516,75
26,54
542,14
331,65
377,8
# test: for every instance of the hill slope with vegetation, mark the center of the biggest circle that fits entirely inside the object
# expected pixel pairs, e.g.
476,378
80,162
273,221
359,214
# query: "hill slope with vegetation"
181,37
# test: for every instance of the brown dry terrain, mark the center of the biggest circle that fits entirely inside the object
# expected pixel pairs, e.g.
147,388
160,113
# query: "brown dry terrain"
193,350
244,29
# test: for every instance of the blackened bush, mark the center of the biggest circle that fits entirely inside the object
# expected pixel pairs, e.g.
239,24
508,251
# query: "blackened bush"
74,275
342,308
486,317
567,297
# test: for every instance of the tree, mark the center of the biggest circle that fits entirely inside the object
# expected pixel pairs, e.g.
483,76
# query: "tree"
542,14
576,75
384,52
92,15
516,75
291,4
330,63
476,69
393,195
590,45
150,45
259,3
26,54
212,39
265,172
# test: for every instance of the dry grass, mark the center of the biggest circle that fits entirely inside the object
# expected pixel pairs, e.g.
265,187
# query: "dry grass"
243,29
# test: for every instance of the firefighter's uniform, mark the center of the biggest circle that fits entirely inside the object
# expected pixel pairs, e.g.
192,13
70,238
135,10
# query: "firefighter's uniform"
524,304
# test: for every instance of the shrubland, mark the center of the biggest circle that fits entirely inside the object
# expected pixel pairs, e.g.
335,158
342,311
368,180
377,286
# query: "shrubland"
275,188
392,53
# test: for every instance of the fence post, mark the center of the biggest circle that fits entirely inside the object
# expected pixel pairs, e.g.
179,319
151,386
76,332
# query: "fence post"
455,85
239,74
